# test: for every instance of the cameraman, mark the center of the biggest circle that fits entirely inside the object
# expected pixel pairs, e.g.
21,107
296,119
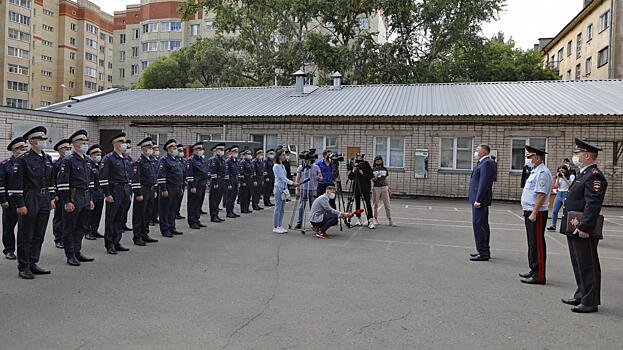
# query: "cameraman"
360,172
323,216
328,174
307,191
564,179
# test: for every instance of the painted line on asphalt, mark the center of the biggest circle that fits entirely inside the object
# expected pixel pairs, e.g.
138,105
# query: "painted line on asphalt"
516,215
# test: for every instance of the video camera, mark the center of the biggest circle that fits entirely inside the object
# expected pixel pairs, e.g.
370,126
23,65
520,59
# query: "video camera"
337,157
309,155
355,162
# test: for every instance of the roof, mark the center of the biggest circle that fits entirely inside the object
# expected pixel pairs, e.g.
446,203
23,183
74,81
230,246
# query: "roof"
554,98
586,10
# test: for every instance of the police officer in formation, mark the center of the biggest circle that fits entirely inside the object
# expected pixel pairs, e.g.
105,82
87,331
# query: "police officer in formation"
95,216
144,189
216,168
181,158
32,188
269,178
155,157
259,175
232,172
170,181
17,147
197,177
247,180
63,148
130,161
115,181
74,185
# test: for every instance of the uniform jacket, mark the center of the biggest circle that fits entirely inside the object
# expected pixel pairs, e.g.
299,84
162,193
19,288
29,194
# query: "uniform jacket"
143,176
481,182
196,171
170,173
586,195
6,169
74,172
116,171
31,172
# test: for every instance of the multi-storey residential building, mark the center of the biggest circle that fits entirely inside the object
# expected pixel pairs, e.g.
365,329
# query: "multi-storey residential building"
590,46
52,50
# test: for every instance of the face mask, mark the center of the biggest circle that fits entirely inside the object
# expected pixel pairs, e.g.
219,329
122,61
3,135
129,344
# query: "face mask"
271,156
156,153
529,163
98,158
220,153
235,154
576,161
331,195
67,153
41,144
127,150
200,153
150,152
287,157
174,153
180,152
123,147
84,148
476,155
248,157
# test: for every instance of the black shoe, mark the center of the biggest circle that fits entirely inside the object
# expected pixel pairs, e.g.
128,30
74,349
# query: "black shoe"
89,236
572,301
203,212
202,225
83,258
246,212
72,261
480,258
236,215
269,204
221,220
258,208
126,228
525,275
584,309
176,232
152,223
167,235
155,221
139,242
148,239
10,255
531,280
97,235
231,216
26,274
59,245
297,227
179,217
473,255
551,228
121,248
195,227
111,251
36,270
215,220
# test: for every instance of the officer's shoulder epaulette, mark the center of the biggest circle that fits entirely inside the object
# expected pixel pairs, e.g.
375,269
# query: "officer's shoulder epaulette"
4,161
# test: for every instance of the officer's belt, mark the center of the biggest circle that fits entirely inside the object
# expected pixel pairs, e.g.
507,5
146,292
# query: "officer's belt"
36,190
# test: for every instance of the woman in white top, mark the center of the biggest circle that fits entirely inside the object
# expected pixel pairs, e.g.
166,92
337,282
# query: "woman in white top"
281,185
564,179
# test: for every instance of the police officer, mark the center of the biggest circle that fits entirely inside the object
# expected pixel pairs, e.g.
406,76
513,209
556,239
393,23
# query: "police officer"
586,195
127,155
115,181
170,180
181,157
269,178
231,179
534,202
95,216
155,158
246,181
63,147
143,186
9,216
74,184
258,178
32,188
216,167
197,177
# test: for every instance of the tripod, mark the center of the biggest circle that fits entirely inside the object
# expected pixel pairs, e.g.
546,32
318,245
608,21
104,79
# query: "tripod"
298,201
340,204
355,190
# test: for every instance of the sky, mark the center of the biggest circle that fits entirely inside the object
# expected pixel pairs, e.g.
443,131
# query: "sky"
523,20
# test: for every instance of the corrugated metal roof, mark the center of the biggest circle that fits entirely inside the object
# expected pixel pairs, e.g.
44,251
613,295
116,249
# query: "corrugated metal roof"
556,98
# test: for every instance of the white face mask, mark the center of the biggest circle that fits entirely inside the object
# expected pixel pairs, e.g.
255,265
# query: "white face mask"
248,157
200,153
156,153
98,159
150,152
476,155
235,154
576,161
332,195
220,153
529,162
123,147
271,156
67,153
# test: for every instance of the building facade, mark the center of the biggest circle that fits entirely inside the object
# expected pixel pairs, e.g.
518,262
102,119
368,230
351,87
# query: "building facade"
52,50
590,47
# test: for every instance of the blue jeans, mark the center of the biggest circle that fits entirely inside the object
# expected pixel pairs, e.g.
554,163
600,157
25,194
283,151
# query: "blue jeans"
328,221
306,196
558,202
279,209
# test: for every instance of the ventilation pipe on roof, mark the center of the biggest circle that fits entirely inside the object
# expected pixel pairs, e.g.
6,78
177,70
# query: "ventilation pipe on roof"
336,77
299,83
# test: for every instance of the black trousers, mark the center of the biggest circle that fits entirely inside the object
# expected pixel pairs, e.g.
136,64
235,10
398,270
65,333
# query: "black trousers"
195,202
76,224
167,208
115,214
31,229
368,205
125,212
482,231
216,195
155,211
537,251
95,216
57,221
231,192
141,214
256,193
586,268
9,221
245,195
267,190
179,202
322,189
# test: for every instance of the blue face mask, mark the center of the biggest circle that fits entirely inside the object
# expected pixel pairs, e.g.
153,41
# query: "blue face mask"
174,154
84,148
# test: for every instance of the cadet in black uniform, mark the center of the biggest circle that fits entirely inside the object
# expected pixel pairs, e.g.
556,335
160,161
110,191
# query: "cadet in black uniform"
32,188
9,216
115,181
181,157
64,150
127,155
216,167
269,178
231,178
197,177
143,185
586,195
246,181
170,180
155,157
258,178
95,216
74,184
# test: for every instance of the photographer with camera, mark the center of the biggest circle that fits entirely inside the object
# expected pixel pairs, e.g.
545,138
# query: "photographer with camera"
327,169
323,216
360,172
564,179
307,192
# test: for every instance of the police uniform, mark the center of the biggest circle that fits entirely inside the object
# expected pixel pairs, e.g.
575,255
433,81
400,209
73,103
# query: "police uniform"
540,181
197,177
74,185
170,180
180,158
32,187
9,215
95,215
57,220
269,178
154,210
232,181
586,195
258,179
216,167
128,158
246,182
115,181
143,186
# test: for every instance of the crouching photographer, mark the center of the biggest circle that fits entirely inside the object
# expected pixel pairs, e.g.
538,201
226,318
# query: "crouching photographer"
323,216
360,173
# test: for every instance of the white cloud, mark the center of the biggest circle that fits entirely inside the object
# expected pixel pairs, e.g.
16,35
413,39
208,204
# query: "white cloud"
111,6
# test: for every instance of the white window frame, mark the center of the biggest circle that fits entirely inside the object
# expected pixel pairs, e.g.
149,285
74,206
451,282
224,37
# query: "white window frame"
454,153
194,29
19,53
151,27
603,54
17,69
527,143
22,3
325,145
604,21
387,155
90,72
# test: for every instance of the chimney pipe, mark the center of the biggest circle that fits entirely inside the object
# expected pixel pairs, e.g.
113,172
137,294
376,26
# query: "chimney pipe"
337,81
299,83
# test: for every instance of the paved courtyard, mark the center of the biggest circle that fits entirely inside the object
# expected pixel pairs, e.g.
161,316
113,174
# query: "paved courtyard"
237,285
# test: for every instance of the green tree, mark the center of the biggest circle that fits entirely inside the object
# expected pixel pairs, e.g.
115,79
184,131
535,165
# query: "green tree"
163,73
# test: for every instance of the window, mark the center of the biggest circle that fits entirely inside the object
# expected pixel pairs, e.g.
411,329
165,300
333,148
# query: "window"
44,103
456,153
364,24
121,38
102,63
18,35
46,73
569,74
559,58
101,76
589,32
72,26
175,26
569,48
46,88
150,27
72,55
72,70
19,18
17,69
20,53
17,86
21,3
134,69
135,51
321,143
48,13
578,71
102,36
170,45
603,56
16,103
72,85
150,46
518,154
91,43
110,52
144,65
47,43
110,39
604,21
121,73
46,58
109,65
136,34
47,27
579,46
209,23
91,28
110,78
589,66
392,150
121,56
90,57
194,29
72,41
90,85
91,72
268,141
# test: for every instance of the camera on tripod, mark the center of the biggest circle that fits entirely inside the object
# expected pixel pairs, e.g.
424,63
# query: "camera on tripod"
309,155
337,157
355,162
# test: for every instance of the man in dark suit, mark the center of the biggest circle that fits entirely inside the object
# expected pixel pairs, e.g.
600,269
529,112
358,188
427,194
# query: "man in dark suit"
480,195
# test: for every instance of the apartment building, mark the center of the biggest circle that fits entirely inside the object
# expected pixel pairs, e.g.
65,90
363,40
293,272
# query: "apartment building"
590,47
53,49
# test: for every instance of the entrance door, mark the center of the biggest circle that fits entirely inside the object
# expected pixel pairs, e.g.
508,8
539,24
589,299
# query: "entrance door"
105,136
